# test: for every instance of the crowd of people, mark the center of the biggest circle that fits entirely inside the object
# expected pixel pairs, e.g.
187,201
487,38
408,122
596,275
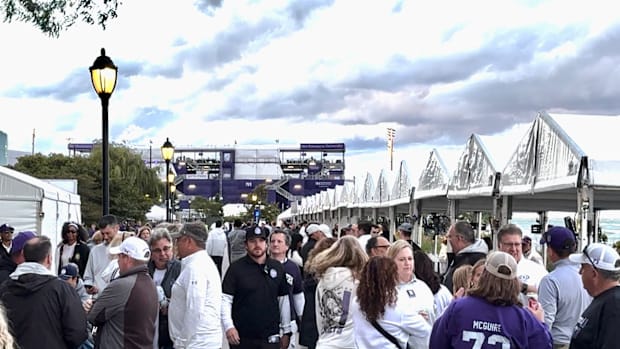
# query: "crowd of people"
246,285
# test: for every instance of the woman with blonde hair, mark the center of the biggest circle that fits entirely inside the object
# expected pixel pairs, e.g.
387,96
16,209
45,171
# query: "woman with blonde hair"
491,315
415,293
382,319
461,280
476,272
144,232
338,268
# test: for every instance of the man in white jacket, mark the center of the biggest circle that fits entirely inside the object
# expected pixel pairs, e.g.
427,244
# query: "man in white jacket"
194,310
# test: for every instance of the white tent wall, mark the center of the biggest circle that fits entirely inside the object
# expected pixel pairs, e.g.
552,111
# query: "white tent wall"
402,184
546,159
475,173
434,178
30,204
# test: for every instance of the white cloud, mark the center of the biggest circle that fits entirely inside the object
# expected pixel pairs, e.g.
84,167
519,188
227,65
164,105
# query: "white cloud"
436,71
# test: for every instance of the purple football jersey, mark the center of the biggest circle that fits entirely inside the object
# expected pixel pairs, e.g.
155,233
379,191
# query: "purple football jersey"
473,323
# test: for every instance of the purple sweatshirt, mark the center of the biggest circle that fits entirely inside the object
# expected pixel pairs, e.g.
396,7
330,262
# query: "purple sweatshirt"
472,322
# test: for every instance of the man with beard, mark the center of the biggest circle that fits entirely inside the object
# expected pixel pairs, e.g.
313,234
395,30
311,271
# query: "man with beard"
255,291
98,258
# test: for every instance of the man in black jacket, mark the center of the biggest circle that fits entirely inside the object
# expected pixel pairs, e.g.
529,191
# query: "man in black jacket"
466,248
44,311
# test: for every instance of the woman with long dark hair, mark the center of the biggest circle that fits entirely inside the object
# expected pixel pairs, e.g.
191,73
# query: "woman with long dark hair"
425,271
73,248
378,307
491,315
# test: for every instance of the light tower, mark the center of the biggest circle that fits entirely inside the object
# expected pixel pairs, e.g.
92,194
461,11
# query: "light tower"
391,133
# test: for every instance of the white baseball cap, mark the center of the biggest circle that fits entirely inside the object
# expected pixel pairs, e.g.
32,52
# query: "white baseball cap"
133,247
598,255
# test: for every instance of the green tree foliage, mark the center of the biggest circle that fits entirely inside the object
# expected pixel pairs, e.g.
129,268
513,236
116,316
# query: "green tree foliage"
210,210
54,16
134,188
268,212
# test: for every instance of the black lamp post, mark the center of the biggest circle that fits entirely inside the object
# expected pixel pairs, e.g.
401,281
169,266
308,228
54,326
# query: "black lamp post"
167,151
103,75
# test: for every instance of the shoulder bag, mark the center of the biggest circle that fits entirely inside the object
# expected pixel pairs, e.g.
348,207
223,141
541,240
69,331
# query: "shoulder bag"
389,337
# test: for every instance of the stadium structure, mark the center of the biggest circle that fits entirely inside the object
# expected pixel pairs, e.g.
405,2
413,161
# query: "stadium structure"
234,172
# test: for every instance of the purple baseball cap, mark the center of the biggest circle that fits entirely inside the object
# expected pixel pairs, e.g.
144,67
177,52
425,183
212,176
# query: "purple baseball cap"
19,241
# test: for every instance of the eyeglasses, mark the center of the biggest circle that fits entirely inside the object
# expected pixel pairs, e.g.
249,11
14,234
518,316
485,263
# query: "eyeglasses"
585,253
511,244
160,250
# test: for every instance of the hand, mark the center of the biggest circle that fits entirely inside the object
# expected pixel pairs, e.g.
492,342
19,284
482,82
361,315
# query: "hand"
534,307
87,305
163,310
233,336
424,314
284,341
460,293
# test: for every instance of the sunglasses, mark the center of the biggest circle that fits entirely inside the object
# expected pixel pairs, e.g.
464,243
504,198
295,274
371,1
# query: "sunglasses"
585,253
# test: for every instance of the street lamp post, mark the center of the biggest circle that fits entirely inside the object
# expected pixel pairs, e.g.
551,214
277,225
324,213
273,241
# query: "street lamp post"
103,75
167,151
173,189
189,215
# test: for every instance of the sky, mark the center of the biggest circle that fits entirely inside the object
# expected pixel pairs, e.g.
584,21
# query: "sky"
212,73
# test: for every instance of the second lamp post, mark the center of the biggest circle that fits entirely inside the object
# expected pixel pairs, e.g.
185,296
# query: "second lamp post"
167,151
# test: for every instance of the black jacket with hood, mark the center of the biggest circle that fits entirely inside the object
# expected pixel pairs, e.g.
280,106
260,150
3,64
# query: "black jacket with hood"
44,311
469,255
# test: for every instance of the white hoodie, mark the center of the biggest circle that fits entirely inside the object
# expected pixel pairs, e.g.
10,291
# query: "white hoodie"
334,298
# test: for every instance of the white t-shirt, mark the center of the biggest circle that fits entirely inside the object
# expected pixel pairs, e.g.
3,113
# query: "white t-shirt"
530,272
67,253
158,276
363,240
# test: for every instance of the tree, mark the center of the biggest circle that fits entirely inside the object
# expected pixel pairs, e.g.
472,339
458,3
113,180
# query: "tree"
134,187
268,212
209,209
54,16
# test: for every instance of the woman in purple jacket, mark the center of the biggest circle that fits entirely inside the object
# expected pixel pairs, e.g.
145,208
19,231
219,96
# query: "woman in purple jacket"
491,316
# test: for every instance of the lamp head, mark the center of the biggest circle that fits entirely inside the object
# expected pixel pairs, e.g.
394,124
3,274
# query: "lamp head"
103,75
167,150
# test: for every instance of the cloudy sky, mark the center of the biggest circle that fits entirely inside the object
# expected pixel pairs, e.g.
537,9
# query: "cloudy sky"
216,72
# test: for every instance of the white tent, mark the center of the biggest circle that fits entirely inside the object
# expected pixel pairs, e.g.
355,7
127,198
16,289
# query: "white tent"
28,203
156,213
